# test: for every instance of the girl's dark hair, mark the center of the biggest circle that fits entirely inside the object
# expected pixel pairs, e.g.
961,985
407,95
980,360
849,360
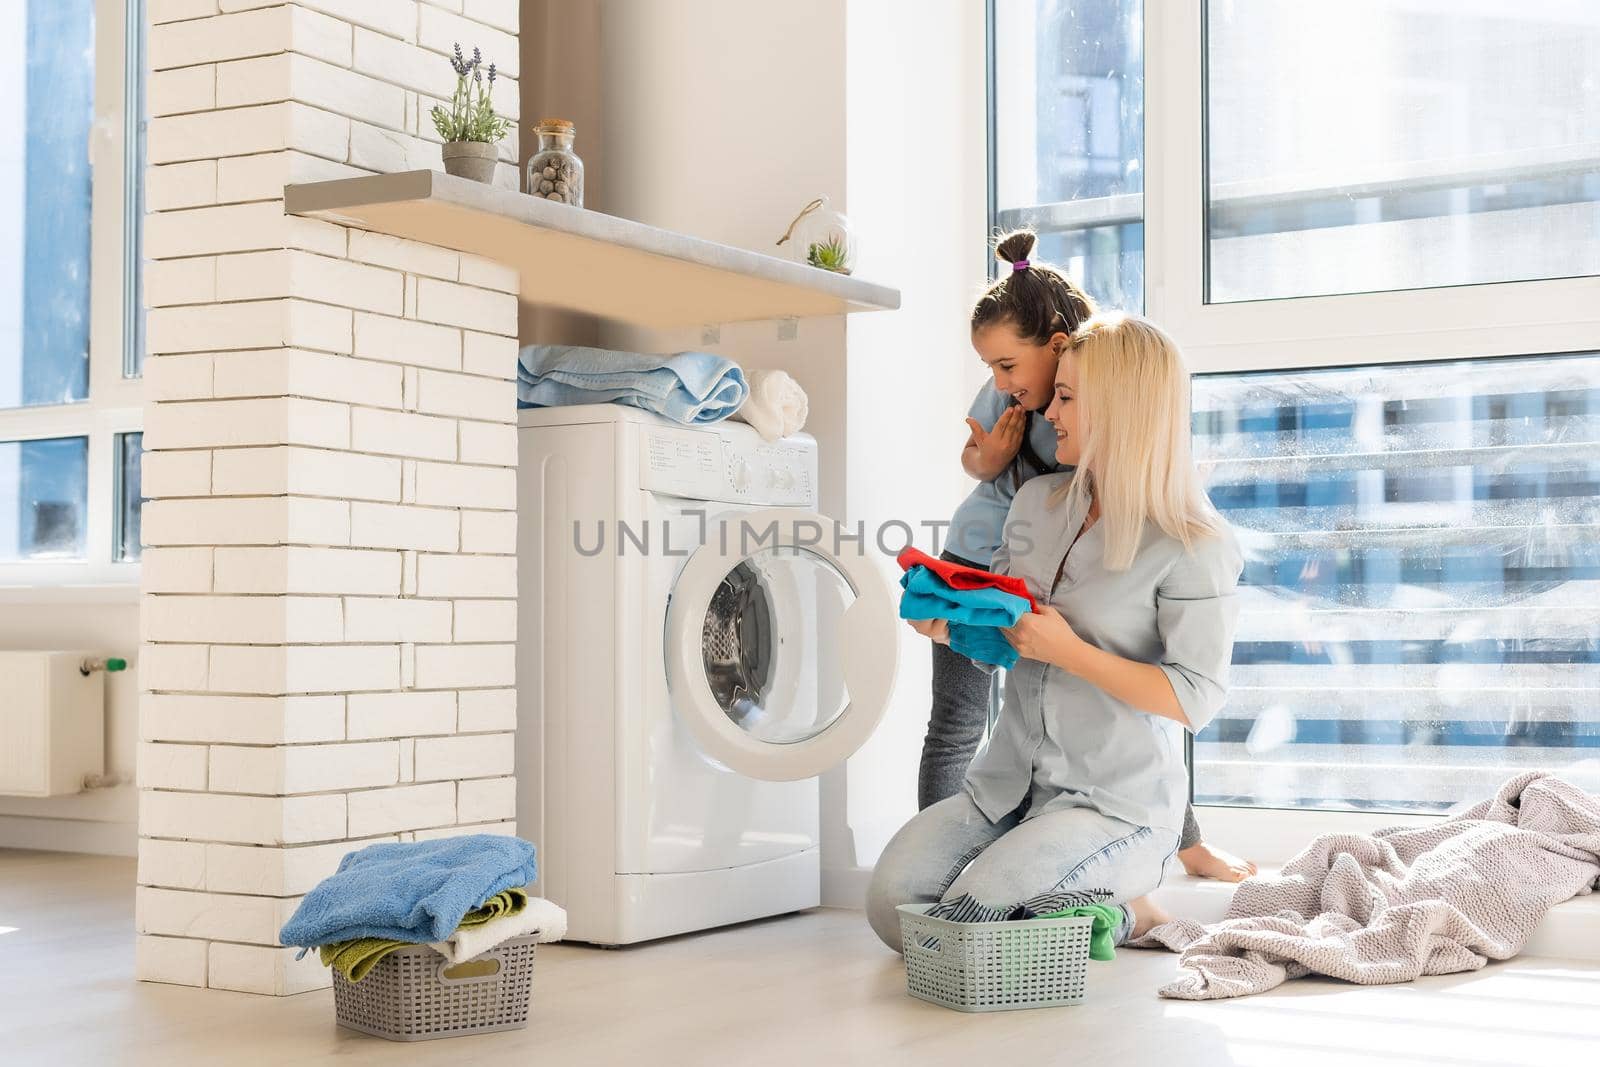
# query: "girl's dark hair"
1038,302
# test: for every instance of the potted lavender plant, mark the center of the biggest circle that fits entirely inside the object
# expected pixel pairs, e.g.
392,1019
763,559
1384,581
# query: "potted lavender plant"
470,127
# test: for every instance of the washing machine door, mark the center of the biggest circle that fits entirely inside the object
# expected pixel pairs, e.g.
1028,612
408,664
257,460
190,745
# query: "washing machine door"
781,644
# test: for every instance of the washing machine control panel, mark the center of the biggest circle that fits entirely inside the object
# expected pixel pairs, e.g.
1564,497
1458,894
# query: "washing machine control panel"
730,462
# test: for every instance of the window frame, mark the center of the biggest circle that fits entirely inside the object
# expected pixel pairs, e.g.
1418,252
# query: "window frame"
115,401
1521,318
1060,216
1535,317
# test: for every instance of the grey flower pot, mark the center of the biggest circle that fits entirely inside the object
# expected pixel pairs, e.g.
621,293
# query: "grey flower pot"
470,159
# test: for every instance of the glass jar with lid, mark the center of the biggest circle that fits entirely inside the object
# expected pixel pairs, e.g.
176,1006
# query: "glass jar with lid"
554,170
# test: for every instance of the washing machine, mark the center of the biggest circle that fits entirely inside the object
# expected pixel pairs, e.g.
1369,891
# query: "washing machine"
696,645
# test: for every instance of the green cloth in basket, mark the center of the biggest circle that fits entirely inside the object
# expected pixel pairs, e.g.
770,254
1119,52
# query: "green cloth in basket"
506,902
1107,917
354,959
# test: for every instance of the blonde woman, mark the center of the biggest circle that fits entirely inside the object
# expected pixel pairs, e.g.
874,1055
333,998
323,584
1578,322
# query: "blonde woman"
1079,795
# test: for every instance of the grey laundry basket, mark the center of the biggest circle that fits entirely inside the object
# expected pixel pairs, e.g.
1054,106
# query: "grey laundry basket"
1000,966
415,994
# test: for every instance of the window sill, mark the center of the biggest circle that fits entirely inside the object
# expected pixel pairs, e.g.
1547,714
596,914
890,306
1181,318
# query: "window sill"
61,593
1271,836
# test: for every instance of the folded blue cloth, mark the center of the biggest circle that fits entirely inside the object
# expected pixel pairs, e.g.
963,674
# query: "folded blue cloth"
927,596
975,615
409,891
689,387
983,644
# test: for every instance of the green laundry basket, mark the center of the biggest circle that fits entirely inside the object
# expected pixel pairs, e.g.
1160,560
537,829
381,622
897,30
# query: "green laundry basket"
1000,966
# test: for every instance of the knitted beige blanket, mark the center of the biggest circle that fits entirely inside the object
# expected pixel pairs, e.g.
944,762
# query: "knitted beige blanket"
1403,902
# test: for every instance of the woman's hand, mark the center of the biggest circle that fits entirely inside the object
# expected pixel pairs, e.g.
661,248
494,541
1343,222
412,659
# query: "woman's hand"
997,447
1045,637
933,629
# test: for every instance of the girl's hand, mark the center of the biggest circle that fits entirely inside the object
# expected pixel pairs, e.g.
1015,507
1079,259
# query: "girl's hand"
1045,637
997,447
933,629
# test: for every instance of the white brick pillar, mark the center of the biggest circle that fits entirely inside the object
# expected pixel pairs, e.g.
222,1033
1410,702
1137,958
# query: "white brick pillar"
329,579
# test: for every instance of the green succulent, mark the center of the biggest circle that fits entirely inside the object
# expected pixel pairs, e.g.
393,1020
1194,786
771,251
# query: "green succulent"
831,254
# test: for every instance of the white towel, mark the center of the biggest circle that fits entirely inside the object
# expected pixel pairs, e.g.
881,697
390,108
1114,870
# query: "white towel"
776,406
542,917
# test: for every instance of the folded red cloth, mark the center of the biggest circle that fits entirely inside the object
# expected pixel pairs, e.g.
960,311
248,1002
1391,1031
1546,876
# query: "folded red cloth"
960,576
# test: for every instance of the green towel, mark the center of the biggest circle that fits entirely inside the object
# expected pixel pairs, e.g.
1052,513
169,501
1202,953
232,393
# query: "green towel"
1107,917
354,959
505,902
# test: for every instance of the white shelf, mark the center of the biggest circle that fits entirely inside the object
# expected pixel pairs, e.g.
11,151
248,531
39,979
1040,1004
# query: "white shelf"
587,261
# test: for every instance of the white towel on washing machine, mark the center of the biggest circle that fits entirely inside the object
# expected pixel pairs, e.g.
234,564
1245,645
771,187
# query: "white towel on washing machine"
776,406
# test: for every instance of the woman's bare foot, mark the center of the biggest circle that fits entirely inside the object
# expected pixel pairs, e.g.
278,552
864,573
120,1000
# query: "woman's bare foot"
1147,915
1203,861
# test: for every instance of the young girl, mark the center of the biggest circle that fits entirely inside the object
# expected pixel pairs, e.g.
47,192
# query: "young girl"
1019,326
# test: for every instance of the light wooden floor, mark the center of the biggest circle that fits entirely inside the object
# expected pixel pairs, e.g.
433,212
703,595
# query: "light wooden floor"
814,989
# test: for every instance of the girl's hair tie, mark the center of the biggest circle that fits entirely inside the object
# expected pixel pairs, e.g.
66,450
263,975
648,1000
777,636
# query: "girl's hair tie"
1018,265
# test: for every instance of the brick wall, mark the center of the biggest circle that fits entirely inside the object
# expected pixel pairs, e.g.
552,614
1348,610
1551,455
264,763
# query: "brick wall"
329,580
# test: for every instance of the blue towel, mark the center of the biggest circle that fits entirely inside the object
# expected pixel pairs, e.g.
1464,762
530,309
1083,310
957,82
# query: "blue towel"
983,644
975,615
690,387
409,891
927,596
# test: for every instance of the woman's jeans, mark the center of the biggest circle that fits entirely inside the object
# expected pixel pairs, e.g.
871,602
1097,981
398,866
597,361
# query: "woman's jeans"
978,870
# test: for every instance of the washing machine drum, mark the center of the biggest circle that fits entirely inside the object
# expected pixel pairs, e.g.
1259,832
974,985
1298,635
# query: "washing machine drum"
780,655
736,644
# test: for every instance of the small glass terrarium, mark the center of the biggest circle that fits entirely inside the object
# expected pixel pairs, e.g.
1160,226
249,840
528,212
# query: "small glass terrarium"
821,237
554,170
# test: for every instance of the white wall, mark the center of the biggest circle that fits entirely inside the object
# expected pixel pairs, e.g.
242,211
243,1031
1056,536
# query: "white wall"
915,125
721,118
97,820
329,575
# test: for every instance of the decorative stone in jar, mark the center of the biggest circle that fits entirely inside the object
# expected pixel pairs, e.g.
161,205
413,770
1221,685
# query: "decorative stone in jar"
554,171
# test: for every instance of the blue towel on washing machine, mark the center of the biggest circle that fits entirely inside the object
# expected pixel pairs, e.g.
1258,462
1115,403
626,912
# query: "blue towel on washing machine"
975,615
693,388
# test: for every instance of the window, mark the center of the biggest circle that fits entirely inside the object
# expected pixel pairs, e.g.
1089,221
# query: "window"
70,323
130,452
43,499
1069,137
44,224
1417,613
1375,145
135,126
1371,229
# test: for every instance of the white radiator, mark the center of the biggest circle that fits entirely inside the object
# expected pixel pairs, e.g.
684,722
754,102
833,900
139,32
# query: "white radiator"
52,723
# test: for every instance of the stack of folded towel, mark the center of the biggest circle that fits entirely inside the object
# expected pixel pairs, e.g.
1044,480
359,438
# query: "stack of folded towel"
462,895
689,387
977,604
694,388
